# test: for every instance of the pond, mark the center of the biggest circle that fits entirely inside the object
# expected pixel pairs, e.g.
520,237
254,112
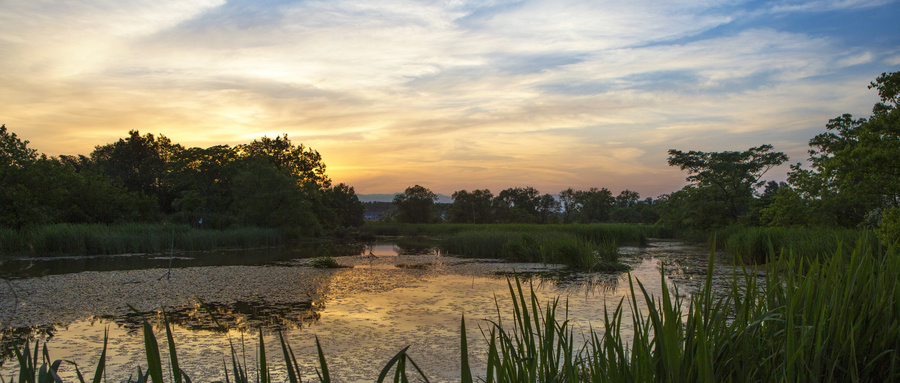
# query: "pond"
392,297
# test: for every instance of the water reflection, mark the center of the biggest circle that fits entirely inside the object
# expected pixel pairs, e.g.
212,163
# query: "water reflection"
569,281
16,337
412,246
241,316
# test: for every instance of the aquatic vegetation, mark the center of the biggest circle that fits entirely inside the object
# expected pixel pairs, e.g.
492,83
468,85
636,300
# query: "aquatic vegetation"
535,246
93,239
326,263
756,245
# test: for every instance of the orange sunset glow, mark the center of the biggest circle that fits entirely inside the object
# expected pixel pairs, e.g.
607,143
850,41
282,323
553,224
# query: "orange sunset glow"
451,95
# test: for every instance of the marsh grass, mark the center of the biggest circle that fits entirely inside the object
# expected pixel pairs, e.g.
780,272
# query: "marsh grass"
97,239
326,263
536,246
756,245
830,320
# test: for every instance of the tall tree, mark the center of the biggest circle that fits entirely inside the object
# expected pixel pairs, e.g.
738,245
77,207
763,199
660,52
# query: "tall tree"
474,207
201,182
344,207
297,160
569,205
140,163
518,204
415,205
729,177
595,204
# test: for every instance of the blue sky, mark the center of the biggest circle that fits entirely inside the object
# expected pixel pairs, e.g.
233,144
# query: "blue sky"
448,94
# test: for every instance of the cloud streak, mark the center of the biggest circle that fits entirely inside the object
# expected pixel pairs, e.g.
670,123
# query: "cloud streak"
450,95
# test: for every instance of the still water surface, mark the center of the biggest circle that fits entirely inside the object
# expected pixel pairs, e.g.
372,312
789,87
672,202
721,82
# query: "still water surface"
362,315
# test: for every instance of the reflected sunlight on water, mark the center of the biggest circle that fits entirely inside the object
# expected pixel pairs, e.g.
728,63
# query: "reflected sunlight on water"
362,315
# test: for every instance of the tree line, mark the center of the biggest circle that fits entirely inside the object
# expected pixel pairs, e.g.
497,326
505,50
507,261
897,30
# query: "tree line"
417,204
269,182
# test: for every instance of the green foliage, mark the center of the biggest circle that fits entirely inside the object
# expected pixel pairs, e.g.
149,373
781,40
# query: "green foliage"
415,205
855,165
201,181
139,162
300,162
787,208
145,178
723,182
694,208
593,205
809,321
343,207
577,246
524,205
757,245
889,226
267,197
475,207
326,262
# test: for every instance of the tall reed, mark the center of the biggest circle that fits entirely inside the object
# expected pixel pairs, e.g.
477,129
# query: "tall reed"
831,320
756,245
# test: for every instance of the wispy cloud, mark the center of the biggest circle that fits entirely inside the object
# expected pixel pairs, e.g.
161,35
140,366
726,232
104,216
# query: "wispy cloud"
459,94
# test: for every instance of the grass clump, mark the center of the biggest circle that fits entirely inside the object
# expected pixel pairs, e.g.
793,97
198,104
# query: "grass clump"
534,246
326,262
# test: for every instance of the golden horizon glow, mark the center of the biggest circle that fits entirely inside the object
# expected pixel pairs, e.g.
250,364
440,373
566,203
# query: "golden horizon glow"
453,95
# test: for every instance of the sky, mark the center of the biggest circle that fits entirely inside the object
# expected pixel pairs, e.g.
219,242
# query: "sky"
449,95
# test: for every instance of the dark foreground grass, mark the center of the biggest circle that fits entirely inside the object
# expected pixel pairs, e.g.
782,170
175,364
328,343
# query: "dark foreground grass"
835,319
131,238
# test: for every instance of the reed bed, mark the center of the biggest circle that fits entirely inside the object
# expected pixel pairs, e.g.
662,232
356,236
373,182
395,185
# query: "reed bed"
535,246
831,320
97,239
755,245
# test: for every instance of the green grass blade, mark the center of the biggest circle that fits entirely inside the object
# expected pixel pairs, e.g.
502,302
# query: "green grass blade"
173,356
293,375
263,372
101,364
324,376
390,363
465,372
